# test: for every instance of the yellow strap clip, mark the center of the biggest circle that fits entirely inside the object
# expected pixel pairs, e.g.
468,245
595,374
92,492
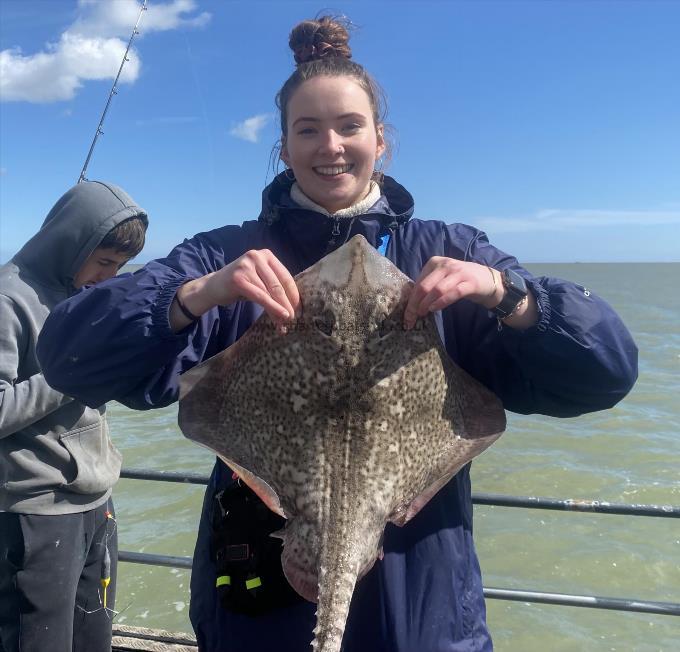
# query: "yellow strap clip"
253,583
105,583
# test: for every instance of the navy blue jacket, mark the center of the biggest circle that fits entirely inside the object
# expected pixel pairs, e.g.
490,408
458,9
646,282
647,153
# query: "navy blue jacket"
113,342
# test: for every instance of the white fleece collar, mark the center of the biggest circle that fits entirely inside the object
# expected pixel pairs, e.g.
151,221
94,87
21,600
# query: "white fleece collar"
359,208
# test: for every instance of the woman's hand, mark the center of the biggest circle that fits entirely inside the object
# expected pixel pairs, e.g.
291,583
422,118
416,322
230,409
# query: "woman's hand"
256,276
444,281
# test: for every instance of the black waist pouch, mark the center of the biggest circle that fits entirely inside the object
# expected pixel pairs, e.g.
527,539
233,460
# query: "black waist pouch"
249,579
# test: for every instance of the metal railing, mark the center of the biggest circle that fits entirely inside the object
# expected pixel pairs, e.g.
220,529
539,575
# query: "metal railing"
498,500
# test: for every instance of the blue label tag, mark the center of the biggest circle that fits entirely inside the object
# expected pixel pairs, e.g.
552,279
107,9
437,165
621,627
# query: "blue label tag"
382,247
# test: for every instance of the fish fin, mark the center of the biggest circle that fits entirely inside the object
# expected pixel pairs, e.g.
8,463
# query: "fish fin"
405,513
299,558
481,411
304,583
189,379
480,419
264,491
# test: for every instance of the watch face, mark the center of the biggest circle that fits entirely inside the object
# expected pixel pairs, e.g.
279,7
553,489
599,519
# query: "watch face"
512,279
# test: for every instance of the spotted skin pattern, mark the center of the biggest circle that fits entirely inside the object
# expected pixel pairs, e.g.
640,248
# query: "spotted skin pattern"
342,424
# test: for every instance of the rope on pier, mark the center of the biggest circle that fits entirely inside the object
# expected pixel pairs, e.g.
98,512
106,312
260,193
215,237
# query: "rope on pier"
150,640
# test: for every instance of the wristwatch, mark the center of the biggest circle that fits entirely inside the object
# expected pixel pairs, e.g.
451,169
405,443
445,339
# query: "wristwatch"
515,292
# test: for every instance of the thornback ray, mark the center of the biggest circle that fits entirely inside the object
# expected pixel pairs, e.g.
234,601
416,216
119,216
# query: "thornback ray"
342,424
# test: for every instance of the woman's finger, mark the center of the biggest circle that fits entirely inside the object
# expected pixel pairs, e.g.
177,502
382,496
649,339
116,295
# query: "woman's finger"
253,292
445,292
288,284
274,285
427,280
454,291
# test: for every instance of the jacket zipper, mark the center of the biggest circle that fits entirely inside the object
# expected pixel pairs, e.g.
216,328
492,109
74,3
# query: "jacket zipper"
335,232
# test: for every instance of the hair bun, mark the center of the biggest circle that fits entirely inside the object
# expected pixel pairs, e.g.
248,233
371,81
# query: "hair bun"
318,39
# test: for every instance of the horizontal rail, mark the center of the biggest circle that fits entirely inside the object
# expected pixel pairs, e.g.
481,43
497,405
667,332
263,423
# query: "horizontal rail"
498,500
576,505
594,602
154,560
164,476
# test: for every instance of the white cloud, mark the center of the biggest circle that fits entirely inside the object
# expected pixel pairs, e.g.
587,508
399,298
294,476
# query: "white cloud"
58,73
91,48
250,128
117,18
568,220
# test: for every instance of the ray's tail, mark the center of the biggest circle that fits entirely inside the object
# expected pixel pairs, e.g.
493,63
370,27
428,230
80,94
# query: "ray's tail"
337,578
346,554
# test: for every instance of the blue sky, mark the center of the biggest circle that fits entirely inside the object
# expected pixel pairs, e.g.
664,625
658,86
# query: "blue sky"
553,126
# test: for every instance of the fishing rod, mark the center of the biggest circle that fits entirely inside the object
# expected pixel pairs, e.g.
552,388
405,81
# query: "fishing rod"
113,92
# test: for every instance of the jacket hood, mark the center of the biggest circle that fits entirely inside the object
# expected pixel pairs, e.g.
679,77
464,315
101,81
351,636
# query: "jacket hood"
310,235
73,229
395,202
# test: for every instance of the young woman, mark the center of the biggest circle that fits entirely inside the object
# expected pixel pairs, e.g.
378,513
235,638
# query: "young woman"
543,345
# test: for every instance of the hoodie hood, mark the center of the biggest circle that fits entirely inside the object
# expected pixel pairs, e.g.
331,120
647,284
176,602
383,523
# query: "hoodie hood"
73,229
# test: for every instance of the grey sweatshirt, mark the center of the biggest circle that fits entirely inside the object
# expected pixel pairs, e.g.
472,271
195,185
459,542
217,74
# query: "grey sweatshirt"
56,456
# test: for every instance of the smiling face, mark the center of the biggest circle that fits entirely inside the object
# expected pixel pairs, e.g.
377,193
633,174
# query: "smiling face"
332,141
101,264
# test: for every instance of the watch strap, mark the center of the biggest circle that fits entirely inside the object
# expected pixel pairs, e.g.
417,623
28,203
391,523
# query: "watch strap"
513,296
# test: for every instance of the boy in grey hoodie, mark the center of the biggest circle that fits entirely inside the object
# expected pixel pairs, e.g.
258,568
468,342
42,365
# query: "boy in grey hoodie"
58,542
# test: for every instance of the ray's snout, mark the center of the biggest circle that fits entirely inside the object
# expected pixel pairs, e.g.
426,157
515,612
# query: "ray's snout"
357,266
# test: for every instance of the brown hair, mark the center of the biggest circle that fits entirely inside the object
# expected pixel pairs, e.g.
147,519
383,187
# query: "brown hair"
321,48
127,237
